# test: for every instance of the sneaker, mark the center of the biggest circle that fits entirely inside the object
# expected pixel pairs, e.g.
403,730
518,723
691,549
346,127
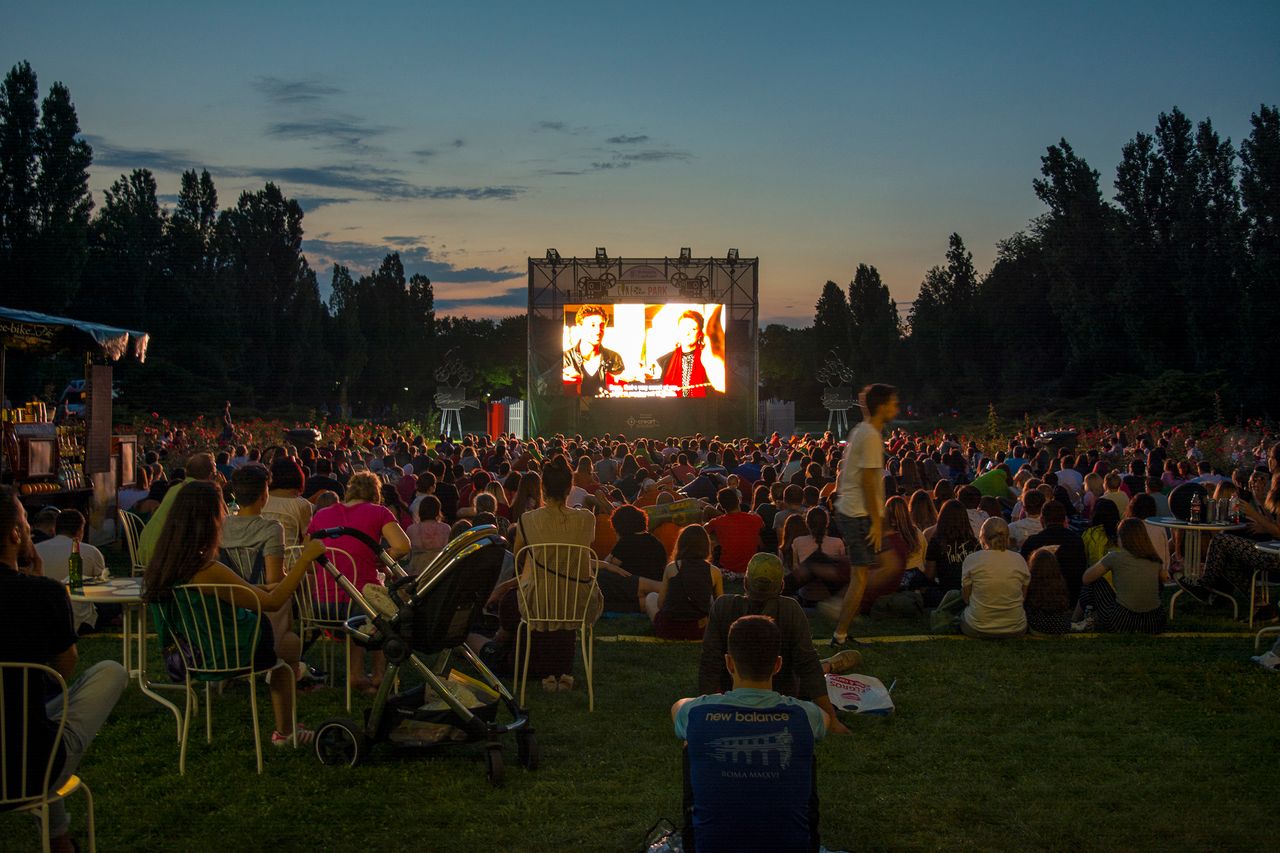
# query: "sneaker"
1270,661
1084,626
305,737
846,643
1195,589
842,662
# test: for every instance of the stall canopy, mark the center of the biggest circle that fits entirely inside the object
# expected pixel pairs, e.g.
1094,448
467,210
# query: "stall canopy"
34,332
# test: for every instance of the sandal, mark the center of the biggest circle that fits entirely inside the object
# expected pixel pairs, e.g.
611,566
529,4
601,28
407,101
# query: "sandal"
566,683
305,737
550,684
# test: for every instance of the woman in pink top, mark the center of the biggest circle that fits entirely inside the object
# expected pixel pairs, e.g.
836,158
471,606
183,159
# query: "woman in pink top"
362,510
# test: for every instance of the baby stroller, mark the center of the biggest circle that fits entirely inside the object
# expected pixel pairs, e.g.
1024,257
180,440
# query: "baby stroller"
427,617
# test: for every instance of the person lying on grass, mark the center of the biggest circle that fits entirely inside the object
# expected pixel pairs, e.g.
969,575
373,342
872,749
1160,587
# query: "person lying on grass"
186,553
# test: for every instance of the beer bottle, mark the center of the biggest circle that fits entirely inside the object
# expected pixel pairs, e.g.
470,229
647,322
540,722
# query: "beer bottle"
75,567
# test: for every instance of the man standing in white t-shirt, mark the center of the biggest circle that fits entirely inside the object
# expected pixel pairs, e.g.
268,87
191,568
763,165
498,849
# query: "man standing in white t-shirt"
859,498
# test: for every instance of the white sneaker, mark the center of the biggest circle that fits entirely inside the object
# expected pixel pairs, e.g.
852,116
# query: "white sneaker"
1270,661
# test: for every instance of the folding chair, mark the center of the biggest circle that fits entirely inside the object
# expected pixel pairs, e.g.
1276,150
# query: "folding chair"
131,525
557,597
320,615
217,642
21,795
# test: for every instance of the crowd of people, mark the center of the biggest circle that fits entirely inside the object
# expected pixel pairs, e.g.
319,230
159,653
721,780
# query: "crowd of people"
1037,538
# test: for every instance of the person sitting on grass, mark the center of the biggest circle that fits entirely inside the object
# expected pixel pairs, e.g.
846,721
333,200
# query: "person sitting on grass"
802,672
186,553
727,809
953,540
994,585
1048,603
634,567
1100,537
1130,602
36,627
689,585
1024,528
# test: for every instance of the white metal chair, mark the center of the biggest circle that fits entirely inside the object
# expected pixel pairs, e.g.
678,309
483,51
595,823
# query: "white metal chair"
20,794
318,613
217,642
131,525
1259,592
557,596
246,563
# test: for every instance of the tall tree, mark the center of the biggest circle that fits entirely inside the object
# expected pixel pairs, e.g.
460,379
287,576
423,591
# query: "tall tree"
19,198
125,282
1078,287
64,202
875,328
831,327
1260,192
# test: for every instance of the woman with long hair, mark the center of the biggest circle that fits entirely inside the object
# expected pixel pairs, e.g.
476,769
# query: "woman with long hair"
952,542
528,496
689,585
1101,536
1048,602
793,528
187,553
924,514
1130,603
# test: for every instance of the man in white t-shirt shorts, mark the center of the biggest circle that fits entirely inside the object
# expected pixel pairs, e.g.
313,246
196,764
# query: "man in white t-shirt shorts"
859,497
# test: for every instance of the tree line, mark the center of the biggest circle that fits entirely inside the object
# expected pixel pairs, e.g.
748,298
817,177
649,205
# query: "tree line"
234,309
1169,286
1165,293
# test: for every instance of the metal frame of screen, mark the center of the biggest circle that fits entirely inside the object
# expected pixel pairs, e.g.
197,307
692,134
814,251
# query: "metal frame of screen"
553,284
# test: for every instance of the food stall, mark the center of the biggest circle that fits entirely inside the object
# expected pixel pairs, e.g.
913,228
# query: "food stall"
74,462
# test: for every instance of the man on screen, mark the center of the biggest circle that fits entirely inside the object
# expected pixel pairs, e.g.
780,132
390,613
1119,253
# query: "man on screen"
681,370
588,366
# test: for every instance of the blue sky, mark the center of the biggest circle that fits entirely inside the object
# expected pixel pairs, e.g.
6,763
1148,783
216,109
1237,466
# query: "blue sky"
468,136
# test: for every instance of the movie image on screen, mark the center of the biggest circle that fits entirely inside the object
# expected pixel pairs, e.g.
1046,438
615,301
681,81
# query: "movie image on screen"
637,350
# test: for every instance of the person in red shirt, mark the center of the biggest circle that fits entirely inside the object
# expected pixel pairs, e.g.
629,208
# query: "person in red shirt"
736,532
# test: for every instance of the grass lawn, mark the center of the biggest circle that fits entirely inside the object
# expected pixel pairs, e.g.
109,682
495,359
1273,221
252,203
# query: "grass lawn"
1109,743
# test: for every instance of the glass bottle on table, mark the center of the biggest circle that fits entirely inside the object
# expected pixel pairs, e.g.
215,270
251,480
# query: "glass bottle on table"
1196,514
75,568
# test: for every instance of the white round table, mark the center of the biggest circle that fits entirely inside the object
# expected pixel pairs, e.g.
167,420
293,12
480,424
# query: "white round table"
127,593
1192,564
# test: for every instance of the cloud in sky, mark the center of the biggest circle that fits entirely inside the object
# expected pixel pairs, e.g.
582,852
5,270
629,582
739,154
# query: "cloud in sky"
333,131
624,160
496,305
362,257
627,140
300,91
379,181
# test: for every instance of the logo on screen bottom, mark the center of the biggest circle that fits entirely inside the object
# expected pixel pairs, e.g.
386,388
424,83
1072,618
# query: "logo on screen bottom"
642,421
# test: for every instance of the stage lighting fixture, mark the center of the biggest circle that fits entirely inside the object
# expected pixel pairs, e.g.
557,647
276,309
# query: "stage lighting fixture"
686,255
733,256
553,256
601,255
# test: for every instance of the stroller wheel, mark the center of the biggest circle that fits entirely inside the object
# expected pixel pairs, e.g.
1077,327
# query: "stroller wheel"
527,750
341,742
493,764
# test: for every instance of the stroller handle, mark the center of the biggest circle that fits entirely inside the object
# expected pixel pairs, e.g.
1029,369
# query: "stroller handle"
374,545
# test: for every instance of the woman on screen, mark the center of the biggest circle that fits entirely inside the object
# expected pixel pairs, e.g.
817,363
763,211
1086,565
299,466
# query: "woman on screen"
681,369
588,367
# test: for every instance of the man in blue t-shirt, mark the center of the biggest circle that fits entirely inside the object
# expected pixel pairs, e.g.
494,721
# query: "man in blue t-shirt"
749,754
